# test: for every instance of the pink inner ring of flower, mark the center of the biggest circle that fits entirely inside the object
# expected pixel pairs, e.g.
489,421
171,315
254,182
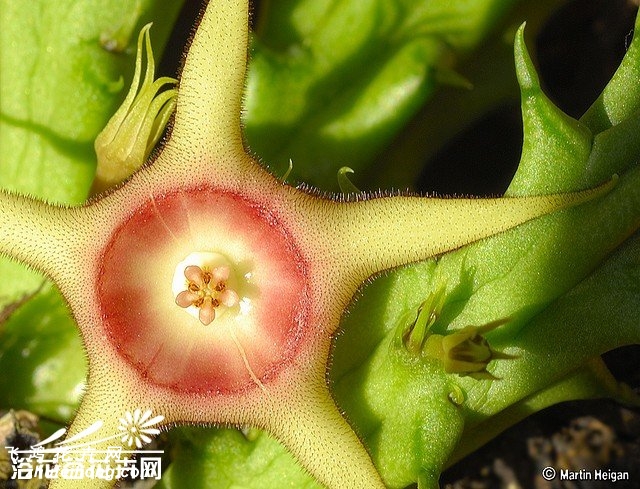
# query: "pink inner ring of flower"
160,340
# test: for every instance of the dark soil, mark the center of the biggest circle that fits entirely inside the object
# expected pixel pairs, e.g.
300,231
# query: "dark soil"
575,436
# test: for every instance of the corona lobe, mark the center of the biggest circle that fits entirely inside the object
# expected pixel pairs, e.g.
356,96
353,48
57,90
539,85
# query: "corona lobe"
226,238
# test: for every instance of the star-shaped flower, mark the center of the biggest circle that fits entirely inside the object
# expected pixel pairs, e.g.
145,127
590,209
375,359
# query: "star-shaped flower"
284,263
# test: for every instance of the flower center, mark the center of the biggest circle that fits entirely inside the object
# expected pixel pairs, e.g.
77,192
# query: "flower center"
201,286
199,257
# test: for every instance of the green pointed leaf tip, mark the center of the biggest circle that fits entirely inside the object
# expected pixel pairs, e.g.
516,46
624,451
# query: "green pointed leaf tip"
618,101
556,147
346,185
